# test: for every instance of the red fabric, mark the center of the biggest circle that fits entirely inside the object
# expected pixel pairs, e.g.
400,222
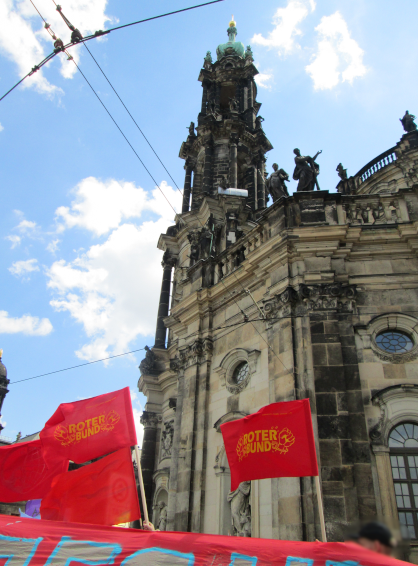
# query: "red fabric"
275,442
87,429
102,493
38,543
23,472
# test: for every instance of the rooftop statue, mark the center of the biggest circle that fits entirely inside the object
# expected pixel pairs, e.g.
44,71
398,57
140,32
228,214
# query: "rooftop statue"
191,129
408,122
276,183
306,171
342,173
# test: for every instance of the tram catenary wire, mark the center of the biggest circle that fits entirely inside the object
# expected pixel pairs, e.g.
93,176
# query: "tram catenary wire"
100,33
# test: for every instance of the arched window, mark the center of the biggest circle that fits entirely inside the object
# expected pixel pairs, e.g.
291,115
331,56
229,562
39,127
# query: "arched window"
403,444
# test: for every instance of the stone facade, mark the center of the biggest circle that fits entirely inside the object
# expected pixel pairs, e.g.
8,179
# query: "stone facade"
299,296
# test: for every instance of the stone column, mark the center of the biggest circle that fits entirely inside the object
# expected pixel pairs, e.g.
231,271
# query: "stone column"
207,174
387,492
161,331
233,164
174,463
150,421
250,101
251,185
187,186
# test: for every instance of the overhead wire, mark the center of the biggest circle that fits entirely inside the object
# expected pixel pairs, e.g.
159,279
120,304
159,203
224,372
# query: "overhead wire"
100,33
47,27
78,366
71,27
126,139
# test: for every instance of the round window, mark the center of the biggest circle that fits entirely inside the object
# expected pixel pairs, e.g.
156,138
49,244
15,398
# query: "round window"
394,341
240,373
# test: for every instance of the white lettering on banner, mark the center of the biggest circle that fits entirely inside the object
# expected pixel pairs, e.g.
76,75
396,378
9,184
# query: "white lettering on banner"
292,561
159,557
19,551
83,552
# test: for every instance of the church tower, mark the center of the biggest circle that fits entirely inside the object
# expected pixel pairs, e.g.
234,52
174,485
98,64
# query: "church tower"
312,297
230,145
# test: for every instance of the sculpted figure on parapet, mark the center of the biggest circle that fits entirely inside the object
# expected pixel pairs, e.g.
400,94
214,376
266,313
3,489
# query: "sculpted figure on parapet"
408,122
147,365
241,510
306,171
276,183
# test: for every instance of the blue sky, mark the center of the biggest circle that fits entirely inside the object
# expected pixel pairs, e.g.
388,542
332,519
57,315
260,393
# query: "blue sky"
79,266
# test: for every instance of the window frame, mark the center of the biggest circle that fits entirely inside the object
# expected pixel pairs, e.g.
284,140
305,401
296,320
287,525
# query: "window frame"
405,452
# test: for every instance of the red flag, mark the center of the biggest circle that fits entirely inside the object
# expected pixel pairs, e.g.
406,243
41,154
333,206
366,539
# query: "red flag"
275,442
103,493
87,429
23,472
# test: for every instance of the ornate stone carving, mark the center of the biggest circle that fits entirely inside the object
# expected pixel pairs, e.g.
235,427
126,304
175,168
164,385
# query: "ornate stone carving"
168,260
342,173
239,501
227,367
149,419
197,352
148,364
335,296
172,403
373,212
167,439
376,433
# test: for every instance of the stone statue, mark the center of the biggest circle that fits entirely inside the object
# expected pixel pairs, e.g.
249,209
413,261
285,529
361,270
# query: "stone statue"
248,52
408,122
306,171
193,238
147,365
258,122
233,105
223,183
342,173
241,510
167,440
208,57
191,129
162,520
276,183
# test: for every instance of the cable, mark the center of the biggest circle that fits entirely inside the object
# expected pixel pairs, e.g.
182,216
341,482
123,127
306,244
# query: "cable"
101,32
123,104
73,367
126,139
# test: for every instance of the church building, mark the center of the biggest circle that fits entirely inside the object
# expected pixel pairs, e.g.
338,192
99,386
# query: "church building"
313,295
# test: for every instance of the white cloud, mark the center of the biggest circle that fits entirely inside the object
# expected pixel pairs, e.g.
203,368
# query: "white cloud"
263,80
23,267
26,324
15,240
24,40
286,21
339,57
26,226
112,289
1,128
53,246
137,410
3,422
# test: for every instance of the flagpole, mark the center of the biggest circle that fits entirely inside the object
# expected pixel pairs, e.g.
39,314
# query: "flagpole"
321,509
141,485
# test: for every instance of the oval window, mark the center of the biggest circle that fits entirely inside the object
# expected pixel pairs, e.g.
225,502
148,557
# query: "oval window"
240,373
394,341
